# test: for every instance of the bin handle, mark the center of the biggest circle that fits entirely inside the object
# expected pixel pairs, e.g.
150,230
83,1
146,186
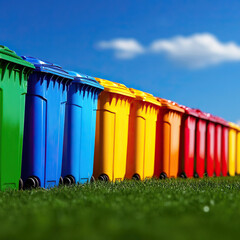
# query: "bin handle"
9,52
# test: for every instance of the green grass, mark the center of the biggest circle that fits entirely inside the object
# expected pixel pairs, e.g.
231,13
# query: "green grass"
154,209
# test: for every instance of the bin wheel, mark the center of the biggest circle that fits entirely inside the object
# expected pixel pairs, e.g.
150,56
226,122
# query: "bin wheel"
163,175
20,184
136,177
183,175
68,180
61,181
32,182
92,179
196,175
103,177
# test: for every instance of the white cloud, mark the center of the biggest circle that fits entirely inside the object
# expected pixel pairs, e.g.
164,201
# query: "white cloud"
195,51
198,50
123,48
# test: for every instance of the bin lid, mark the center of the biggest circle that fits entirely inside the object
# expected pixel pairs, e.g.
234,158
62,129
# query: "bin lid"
114,87
9,55
234,126
85,79
189,111
221,121
201,114
47,67
146,97
170,105
211,117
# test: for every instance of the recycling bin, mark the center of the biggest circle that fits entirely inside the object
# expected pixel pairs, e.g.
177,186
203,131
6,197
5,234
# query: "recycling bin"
232,157
201,132
44,124
168,139
210,145
221,147
142,135
79,131
217,147
238,151
112,131
14,73
187,142
225,139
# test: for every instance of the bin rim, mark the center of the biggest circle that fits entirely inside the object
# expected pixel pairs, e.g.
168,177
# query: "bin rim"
168,104
189,111
202,115
211,118
145,97
221,121
47,67
10,56
113,87
85,79
234,126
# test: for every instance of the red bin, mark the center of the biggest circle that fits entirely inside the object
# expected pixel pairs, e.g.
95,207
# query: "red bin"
211,129
187,142
221,147
201,128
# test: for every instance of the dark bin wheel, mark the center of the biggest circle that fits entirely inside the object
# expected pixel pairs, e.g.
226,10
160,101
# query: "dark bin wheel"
163,175
68,180
196,175
103,177
37,182
72,179
183,175
20,184
61,181
32,182
136,177
92,179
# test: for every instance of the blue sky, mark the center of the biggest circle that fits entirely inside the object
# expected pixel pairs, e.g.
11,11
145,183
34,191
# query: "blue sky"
186,51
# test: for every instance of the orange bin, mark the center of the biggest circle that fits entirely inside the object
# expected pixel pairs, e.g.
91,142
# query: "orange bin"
168,139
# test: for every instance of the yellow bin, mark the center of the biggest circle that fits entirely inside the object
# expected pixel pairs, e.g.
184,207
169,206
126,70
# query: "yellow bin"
232,151
142,134
112,131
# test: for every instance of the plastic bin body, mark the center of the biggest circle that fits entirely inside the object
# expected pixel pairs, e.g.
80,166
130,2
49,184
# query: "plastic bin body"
79,131
232,161
225,137
221,147
44,123
142,134
112,131
201,130
14,73
168,139
187,142
238,152
218,150
210,146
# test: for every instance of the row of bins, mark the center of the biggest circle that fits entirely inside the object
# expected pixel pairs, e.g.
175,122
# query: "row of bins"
137,135
59,133
204,142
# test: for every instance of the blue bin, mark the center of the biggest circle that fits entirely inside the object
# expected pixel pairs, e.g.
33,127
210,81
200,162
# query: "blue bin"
44,124
80,124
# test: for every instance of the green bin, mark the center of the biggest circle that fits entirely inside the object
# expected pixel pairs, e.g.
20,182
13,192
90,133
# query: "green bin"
14,73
